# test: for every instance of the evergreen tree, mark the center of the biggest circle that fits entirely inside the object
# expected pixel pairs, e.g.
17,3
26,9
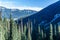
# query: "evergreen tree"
15,31
58,35
42,34
39,33
5,28
29,32
23,37
21,25
19,34
59,28
31,27
2,31
25,29
23,32
55,29
55,32
0,16
51,32
11,25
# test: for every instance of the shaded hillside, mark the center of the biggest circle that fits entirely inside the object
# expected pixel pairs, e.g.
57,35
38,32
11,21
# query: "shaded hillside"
44,25
44,18
45,15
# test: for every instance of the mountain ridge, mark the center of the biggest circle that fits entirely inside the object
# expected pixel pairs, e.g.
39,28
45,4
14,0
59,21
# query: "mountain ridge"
46,15
16,13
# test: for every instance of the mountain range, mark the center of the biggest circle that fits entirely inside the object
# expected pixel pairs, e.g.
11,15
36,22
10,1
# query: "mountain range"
45,16
16,13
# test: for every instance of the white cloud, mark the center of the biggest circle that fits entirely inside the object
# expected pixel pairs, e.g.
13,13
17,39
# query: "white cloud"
12,6
31,8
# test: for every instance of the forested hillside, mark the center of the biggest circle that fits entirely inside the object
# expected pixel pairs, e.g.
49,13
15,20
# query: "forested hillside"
44,25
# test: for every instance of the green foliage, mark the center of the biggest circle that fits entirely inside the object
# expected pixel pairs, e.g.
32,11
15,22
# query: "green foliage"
0,16
5,28
40,34
59,28
19,34
2,31
51,32
23,37
21,26
29,31
14,32
9,30
25,29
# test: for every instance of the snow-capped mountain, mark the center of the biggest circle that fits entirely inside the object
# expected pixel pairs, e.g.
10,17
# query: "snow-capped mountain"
16,13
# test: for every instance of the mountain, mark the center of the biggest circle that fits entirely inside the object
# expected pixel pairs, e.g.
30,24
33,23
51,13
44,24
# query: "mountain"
44,16
16,13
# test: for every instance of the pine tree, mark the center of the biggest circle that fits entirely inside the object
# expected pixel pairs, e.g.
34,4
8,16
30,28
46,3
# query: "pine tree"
11,25
29,32
2,31
5,24
39,33
55,32
42,34
55,29
58,37
23,32
21,25
23,37
31,27
51,32
59,28
25,29
0,16
15,31
19,34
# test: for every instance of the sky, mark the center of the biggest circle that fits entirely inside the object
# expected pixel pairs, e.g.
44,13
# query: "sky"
26,4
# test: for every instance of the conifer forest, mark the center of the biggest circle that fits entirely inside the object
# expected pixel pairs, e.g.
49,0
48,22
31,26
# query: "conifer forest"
39,21
10,30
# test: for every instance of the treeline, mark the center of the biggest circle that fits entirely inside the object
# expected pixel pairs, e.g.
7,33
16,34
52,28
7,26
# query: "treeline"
10,30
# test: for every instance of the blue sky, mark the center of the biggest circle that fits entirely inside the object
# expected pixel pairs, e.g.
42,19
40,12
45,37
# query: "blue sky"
26,4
